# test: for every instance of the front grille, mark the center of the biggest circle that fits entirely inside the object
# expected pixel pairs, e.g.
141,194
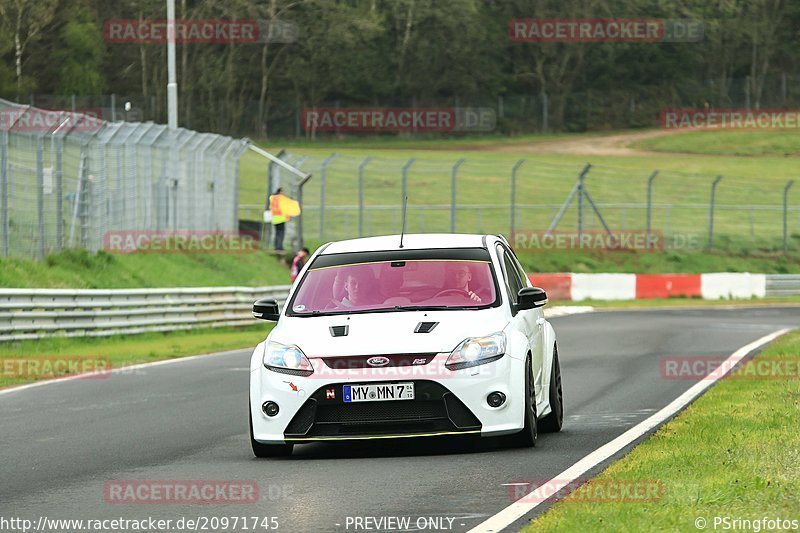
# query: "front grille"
434,409
377,412
349,362
304,419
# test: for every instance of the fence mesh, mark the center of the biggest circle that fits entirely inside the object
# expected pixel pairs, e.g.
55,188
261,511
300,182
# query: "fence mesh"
67,179
352,195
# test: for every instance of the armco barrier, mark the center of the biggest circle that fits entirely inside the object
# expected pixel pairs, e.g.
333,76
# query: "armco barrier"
712,286
38,313
782,285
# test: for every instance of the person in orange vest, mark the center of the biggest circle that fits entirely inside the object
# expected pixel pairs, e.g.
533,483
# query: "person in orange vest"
279,220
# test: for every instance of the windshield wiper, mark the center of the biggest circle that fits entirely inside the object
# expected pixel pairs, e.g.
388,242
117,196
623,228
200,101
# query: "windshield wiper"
425,307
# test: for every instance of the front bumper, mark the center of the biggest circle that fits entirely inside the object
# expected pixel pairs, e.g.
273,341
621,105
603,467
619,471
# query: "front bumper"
446,402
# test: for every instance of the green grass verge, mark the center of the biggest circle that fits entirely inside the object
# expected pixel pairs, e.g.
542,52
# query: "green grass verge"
429,142
728,142
123,350
78,269
732,453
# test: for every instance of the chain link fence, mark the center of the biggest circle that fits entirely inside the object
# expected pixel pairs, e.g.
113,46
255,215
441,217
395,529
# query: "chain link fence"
352,196
67,179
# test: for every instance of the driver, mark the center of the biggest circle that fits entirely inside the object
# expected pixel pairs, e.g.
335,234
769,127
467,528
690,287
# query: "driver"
458,276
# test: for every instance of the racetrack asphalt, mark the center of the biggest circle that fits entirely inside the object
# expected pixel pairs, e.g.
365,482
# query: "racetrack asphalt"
62,443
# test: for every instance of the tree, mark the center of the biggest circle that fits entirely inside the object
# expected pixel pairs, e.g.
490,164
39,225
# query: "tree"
24,21
80,57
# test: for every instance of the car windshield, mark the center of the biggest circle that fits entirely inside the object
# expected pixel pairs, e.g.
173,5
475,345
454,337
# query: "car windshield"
395,285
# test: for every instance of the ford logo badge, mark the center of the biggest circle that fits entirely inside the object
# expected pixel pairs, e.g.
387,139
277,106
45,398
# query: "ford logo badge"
378,361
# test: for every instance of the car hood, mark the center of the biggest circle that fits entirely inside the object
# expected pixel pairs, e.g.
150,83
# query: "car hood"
386,333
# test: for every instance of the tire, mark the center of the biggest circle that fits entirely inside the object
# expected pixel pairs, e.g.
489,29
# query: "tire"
261,450
553,422
527,437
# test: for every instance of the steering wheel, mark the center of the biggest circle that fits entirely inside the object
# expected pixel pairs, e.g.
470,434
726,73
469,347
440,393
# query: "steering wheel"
332,304
461,292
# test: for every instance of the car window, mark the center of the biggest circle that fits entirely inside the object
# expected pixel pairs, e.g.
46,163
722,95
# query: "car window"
376,285
521,271
511,275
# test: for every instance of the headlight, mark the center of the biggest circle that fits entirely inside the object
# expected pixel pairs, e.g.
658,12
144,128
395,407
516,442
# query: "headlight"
477,351
287,360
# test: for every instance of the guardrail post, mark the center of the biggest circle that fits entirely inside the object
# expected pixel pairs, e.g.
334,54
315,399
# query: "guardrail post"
322,176
453,173
785,215
711,212
514,196
361,167
405,180
650,204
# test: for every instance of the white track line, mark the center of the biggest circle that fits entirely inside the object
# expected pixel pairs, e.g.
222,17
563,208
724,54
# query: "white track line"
118,370
520,508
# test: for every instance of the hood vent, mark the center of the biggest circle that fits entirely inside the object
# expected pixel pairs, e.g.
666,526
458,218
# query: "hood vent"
339,331
425,327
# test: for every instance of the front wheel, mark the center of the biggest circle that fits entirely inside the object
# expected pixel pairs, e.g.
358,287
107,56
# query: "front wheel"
262,450
552,423
527,437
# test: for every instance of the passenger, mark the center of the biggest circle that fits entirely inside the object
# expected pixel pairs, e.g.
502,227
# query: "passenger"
358,288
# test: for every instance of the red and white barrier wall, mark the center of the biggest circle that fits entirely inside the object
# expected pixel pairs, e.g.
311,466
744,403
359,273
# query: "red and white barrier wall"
569,286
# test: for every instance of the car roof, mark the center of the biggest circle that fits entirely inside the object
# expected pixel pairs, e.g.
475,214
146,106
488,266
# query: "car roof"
414,241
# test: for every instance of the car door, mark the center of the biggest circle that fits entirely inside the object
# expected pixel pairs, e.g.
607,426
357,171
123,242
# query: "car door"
524,321
536,317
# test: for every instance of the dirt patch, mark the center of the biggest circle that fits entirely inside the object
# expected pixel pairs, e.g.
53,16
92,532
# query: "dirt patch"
615,144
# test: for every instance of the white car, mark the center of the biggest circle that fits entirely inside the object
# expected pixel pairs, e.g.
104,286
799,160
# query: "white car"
438,334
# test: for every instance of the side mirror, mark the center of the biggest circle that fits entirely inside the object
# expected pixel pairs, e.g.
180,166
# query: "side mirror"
530,298
266,309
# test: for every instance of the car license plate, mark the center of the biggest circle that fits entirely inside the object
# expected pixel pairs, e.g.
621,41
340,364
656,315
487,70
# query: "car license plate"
378,392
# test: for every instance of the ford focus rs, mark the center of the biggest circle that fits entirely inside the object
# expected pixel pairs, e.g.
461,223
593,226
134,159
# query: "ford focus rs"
426,336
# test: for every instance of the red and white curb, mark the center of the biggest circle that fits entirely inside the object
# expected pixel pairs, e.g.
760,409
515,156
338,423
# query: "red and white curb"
713,286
